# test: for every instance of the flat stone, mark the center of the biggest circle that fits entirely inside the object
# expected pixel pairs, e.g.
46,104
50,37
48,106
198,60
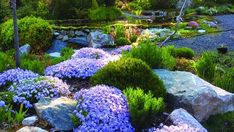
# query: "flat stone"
57,112
55,55
81,34
31,129
60,37
181,116
79,40
200,98
30,121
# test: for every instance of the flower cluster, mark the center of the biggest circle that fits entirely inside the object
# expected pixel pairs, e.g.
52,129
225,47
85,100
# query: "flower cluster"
90,53
121,49
2,104
29,91
15,75
102,108
173,128
75,68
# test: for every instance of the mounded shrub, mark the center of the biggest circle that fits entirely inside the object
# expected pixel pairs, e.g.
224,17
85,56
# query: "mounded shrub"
122,41
205,67
183,64
143,107
130,72
183,52
34,31
153,55
105,13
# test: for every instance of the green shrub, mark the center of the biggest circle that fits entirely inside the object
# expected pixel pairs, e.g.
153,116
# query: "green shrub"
67,53
133,38
107,3
183,64
69,9
34,31
153,55
205,67
4,10
143,107
226,80
220,123
7,97
6,61
130,72
183,52
105,14
122,41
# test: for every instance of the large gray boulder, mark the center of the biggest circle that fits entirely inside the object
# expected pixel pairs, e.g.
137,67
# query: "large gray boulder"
97,39
198,97
57,112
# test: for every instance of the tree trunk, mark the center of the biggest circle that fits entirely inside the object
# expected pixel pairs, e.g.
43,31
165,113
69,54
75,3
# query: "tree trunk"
16,34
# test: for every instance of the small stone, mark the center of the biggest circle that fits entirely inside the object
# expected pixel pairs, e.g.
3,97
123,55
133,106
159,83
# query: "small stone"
25,49
29,121
60,37
31,129
56,33
65,38
55,55
201,31
71,33
81,34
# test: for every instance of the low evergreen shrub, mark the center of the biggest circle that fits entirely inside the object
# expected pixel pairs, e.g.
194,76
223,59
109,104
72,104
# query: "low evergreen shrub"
130,72
205,67
122,41
34,31
143,107
153,55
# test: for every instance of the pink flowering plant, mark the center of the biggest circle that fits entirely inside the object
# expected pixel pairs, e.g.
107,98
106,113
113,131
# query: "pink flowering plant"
102,108
30,91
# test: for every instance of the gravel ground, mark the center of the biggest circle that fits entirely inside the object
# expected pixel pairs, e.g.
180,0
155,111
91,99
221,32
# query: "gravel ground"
211,41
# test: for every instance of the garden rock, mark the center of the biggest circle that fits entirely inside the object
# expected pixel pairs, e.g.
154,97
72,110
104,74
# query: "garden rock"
97,39
81,34
65,38
57,46
60,37
79,40
31,129
201,31
29,121
181,116
57,112
198,97
71,33
25,49
211,24
56,33
55,55
193,24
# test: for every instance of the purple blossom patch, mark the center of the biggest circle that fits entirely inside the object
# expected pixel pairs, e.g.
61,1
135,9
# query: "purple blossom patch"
29,91
121,49
15,75
102,108
76,68
90,53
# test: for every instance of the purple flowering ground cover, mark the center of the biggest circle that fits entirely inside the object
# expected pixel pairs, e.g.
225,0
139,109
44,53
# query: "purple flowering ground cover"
90,53
29,91
15,75
113,114
121,49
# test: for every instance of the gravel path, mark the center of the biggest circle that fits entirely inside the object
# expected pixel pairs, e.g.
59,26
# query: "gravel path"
211,41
